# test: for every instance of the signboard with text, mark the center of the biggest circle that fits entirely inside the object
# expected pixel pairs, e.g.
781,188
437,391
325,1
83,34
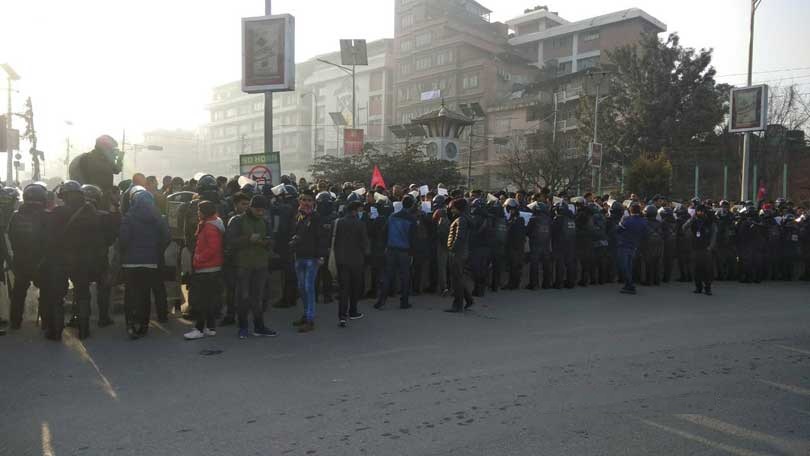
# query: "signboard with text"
268,53
595,153
264,169
352,141
749,109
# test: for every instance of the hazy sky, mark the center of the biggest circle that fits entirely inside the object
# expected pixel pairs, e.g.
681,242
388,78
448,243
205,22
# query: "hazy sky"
107,65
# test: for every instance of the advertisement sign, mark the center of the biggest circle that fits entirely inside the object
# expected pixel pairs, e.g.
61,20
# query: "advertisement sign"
595,154
268,53
352,141
749,109
264,169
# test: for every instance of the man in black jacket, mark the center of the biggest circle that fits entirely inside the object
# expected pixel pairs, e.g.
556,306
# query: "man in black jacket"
350,246
310,245
458,244
704,241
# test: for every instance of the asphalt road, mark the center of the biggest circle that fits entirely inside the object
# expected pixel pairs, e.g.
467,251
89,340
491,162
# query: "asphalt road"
584,372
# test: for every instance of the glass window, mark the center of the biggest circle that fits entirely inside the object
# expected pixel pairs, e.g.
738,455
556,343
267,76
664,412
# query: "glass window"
375,105
376,81
584,64
470,82
258,106
423,40
564,67
405,45
422,63
231,112
406,20
404,68
591,36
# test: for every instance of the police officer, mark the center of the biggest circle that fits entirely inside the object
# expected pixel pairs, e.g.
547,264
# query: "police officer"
790,254
515,243
683,245
652,248
110,223
441,223
71,231
725,254
599,265
498,241
703,228
563,246
480,238
284,212
670,239
584,223
773,243
325,207
26,232
615,214
539,232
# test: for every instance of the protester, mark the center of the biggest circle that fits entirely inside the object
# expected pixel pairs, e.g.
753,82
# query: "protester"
207,276
458,240
310,245
631,232
350,247
400,234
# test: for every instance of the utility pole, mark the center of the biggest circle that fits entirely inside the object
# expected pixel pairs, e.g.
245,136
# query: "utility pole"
11,75
268,102
746,158
469,158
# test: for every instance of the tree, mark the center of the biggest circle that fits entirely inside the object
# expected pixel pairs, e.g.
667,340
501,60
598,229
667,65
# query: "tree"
649,176
535,160
662,97
411,166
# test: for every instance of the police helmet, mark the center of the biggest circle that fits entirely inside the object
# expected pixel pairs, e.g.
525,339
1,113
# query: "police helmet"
578,200
725,203
511,203
290,191
788,218
92,194
695,201
324,197
616,208
352,198
439,201
35,193
207,183
478,203
650,211
780,202
666,212
70,186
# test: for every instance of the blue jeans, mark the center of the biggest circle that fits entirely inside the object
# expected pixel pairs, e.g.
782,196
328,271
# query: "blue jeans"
624,257
306,270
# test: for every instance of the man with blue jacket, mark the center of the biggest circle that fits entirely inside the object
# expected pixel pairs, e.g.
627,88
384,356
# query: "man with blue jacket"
400,233
631,231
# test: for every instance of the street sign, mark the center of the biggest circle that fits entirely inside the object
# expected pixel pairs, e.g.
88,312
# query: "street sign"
268,53
749,109
595,154
264,169
352,141
353,52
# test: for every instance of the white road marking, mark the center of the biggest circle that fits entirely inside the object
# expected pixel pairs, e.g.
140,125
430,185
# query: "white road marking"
791,447
79,347
47,447
788,388
696,438
793,349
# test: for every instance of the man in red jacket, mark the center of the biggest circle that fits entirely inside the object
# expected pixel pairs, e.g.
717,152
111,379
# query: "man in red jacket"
207,265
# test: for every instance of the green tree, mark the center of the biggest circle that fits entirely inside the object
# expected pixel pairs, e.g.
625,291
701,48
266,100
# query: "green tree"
661,97
411,166
649,176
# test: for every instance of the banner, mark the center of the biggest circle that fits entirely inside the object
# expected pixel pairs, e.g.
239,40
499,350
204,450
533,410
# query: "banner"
264,169
352,141
268,53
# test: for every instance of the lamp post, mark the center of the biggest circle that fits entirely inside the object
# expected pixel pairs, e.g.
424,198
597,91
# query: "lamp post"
746,158
11,75
601,75
353,73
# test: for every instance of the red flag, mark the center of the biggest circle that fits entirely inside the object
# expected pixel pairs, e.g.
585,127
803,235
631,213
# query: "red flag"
377,179
763,191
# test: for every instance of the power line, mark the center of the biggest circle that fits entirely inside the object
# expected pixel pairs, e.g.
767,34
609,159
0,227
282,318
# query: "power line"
762,72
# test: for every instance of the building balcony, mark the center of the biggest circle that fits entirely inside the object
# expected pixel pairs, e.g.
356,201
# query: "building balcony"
569,94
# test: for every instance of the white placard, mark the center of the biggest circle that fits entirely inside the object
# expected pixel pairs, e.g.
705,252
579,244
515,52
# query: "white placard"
442,191
397,206
526,217
374,213
423,190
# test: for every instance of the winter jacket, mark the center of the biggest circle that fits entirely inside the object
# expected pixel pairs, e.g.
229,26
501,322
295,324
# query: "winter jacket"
458,240
247,254
144,233
70,243
401,231
631,231
209,253
351,241
26,231
311,237
704,233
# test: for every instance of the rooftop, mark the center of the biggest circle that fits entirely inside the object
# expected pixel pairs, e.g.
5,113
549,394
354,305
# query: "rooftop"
585,24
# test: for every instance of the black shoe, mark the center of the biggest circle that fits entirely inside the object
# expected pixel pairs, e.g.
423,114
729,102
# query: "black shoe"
630,291
469,304
697,291
378,305
227,321
708,292
453,310
342,323
133,332
356,316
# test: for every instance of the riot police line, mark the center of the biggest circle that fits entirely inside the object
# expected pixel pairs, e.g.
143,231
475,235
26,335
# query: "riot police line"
411,241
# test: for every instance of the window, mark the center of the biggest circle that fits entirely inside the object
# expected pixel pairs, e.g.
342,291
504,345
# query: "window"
376,81
375,129
422,40
564,67
584,64
244,128
470,82
405,45
258,106
219,115
442,58
406,20
505,75
591,36
375,105
422,63
503,125
560,42
404,68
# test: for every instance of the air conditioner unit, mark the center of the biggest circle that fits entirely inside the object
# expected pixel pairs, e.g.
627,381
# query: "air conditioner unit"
443,148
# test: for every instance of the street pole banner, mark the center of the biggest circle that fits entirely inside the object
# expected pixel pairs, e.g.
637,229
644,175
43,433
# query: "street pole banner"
352,141
268,53
749,109
264,169
595,153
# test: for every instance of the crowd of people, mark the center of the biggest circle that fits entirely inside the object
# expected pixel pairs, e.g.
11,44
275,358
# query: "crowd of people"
360,243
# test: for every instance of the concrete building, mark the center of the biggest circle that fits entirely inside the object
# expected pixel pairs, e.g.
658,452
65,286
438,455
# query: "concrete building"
449,49
165,152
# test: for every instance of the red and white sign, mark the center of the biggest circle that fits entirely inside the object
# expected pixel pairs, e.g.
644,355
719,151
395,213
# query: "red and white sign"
352,141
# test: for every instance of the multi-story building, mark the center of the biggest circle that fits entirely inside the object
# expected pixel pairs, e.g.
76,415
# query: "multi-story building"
302,127
449,50
165,152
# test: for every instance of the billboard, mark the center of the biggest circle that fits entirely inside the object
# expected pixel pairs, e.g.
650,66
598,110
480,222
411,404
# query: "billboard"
749,109
264,169
352,141
268,53
595,154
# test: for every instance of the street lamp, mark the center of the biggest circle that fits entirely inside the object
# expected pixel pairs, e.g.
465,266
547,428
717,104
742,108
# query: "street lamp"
352,52
601,75
746,158
474,112
11,75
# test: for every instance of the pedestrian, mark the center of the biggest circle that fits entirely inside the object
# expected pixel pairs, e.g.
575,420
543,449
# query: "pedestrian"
310,245
400,234
207,271
143,238
458,246
349,249
631,232
248,241
703,228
